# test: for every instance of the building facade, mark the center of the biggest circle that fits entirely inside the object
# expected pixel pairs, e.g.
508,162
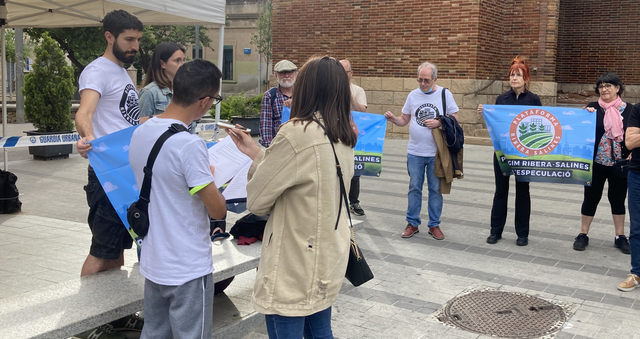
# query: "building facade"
567,44
243,69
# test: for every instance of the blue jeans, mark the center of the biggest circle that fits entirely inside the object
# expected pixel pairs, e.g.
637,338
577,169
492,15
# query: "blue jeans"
315,326
633,183
416,167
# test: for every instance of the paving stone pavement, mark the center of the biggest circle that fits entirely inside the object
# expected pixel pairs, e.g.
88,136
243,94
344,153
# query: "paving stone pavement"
47,243
414,277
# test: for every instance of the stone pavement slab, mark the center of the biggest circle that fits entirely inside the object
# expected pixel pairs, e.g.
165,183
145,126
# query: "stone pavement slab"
46,244
416,276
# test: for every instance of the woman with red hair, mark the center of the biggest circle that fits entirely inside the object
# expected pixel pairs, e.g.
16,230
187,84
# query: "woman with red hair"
519,94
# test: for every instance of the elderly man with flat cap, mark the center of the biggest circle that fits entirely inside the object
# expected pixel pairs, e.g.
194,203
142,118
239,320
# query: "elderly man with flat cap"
275,99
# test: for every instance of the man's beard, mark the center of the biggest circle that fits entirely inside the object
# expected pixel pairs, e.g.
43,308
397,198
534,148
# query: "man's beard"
122,55
286,85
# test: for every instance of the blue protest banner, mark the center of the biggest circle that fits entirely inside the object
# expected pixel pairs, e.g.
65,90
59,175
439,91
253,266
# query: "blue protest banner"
109,157
544,144
372,129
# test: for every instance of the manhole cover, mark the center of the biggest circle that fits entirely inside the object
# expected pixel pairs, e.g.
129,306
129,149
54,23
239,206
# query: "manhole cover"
503,314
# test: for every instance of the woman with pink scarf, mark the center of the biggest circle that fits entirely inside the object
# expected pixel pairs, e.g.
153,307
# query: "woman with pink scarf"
611,122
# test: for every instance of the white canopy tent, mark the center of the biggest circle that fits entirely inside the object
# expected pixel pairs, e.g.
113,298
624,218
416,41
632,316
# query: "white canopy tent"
78,13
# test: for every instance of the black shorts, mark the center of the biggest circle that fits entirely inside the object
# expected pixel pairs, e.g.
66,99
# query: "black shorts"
109,235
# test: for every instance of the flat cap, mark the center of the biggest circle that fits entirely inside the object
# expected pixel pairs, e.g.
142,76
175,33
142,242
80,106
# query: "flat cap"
284,65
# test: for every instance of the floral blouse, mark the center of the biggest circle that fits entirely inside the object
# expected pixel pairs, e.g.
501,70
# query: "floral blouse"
603,156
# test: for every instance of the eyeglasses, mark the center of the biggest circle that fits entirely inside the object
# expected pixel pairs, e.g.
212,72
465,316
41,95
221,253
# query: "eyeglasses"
426,81
603,86
216,100
513,75
350,71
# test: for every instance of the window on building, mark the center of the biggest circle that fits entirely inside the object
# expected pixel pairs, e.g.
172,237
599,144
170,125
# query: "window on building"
227,63
193,52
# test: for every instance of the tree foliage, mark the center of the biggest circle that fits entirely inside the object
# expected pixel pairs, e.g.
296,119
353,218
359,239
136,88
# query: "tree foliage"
81,44
182,35
263,39
84,44
10,46
49,88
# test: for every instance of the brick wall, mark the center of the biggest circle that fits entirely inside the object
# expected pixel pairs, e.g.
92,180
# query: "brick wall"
596,37
381,38
467,39
491,61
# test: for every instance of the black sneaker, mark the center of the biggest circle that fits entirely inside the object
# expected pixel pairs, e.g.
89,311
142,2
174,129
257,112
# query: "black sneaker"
101,332
621,242
582,241
522,241
493,239
356,209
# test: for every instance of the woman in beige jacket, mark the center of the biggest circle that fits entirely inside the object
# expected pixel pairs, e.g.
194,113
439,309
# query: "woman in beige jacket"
305,247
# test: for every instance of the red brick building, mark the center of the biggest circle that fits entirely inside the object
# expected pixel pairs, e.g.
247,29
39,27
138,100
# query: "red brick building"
567,43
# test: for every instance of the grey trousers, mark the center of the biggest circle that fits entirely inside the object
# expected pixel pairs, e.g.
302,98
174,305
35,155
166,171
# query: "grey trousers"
180,312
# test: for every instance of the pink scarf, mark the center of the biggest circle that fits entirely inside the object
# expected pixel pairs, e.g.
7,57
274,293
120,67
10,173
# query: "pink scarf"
613,127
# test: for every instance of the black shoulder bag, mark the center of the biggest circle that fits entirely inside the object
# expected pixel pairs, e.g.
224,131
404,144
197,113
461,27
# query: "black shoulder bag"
358,271
620,166
138,212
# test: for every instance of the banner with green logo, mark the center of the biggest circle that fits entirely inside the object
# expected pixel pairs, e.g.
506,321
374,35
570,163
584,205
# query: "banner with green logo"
543,144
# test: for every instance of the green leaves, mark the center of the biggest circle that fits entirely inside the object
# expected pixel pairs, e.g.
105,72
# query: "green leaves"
85,44
263,39
49,88
153,35
238,105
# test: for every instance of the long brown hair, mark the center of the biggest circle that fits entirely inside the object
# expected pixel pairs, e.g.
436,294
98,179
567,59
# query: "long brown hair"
323,86
162,52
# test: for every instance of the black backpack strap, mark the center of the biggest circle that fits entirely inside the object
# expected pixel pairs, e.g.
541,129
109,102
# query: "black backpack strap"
444,102
272,93
145,190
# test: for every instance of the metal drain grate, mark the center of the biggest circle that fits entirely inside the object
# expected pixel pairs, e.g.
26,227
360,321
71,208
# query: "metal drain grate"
503,314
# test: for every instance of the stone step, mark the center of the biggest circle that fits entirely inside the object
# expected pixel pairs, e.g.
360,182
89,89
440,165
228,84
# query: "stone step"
483,133
468,140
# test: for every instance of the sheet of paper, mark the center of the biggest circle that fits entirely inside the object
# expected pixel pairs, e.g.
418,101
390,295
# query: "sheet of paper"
237,188
227,161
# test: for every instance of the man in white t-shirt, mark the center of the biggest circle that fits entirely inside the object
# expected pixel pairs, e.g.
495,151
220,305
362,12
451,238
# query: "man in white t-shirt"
176,258
423,105
109,103
358,104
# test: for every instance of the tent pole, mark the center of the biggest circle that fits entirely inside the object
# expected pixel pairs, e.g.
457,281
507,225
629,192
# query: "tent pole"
4,98
221,66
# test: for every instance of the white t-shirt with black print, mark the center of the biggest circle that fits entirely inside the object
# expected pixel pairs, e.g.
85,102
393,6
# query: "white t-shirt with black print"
421,107
118,105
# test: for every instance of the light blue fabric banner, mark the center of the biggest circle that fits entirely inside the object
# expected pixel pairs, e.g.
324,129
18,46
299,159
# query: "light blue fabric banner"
109,157
544,144
372,129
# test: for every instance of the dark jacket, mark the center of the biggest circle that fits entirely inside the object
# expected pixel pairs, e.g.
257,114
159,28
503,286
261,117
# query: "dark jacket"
525,99
600,126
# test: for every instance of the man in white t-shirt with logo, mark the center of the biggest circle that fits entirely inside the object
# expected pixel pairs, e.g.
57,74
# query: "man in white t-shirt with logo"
176,258
423,105
109,103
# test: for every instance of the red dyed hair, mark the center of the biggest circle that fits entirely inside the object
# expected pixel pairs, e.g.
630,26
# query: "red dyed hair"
518,63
